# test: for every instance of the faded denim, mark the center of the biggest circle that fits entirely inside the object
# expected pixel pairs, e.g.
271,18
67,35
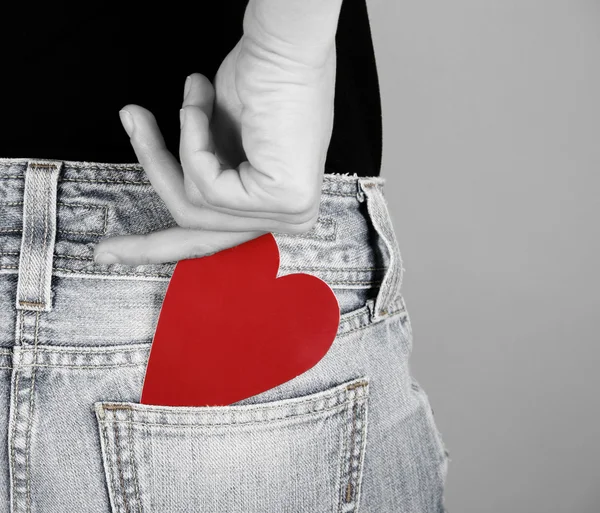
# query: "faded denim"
355,433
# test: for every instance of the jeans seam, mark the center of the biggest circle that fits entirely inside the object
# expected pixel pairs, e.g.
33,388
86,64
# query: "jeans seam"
134,466
30,419
343,397
15,419
120,466
104,433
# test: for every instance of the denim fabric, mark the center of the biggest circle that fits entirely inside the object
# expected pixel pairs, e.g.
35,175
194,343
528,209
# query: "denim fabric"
354,433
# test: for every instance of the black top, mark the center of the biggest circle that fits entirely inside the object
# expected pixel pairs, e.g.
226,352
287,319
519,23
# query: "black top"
69,67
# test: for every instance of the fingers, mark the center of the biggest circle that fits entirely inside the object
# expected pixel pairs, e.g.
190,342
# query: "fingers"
208,232
198,181
163,170
227,190
204,180
171,245
200,164
214,208
166,177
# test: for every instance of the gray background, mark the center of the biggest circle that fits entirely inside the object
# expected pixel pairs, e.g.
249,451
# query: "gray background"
491,151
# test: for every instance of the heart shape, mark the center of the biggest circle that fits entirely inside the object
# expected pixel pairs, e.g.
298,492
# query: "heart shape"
229,328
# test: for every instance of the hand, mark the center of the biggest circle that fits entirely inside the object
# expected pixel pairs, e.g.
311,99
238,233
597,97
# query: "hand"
253,148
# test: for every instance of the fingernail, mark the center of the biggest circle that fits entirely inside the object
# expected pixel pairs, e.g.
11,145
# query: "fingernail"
105,258
127,121
186,89
181,117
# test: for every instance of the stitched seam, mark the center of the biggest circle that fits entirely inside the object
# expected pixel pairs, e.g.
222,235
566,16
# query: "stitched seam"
74,257
349,486
161,275
328,188
134,466
84,205
28,253
30,419
60,231
15,421
91,352
283,267
120,466
83,232
364,433
65,366
42,165
342,393
344,447
45,246
311,235
104,431
36,339
210,425
360,448
370,323
362,311
108,351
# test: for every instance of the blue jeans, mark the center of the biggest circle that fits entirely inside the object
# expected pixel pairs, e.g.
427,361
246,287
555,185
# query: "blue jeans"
354,433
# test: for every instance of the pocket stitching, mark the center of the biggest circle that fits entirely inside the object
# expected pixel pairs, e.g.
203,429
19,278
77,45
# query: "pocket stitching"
352,436
107,462
120,467
350,493
210,424
134,468
204,414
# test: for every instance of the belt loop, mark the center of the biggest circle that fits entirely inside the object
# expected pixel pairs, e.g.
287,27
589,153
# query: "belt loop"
382,222
38,235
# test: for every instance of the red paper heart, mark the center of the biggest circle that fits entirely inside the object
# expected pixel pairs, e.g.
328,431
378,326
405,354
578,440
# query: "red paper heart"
229,329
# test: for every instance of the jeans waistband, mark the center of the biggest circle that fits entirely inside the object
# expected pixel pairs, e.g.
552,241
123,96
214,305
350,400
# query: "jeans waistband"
53,213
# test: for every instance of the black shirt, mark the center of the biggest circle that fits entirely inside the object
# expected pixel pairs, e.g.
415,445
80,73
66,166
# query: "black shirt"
69,67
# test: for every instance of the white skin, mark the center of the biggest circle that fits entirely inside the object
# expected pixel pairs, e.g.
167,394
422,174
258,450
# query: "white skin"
253,147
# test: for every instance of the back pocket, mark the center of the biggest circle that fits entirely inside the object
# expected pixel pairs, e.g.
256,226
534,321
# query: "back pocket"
303,454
